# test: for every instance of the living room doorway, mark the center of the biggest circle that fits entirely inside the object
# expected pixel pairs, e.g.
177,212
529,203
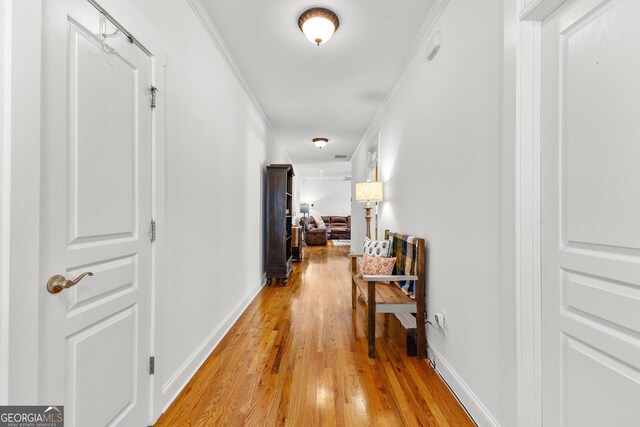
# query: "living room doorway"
327,197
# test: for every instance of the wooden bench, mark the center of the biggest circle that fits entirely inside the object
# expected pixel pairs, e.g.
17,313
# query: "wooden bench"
382,297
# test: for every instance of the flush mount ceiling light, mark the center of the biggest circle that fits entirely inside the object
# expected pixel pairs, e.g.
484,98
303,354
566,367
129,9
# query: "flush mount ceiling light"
318,24
320,142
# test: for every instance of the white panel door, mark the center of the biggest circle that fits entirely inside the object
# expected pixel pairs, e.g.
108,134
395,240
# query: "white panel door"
96,211
590,166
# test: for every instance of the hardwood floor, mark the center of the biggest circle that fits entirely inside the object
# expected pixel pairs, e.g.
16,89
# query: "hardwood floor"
298,357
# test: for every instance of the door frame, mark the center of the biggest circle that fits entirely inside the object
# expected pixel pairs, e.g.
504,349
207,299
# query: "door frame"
528,209
5,164
21,79
20,148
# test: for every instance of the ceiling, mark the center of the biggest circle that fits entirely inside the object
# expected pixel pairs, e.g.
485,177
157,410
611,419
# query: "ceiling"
307,91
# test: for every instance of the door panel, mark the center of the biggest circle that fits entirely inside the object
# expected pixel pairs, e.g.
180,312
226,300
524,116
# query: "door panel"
614,302
116,397
96,210
599,88
612,383
590,214
103,193
112,278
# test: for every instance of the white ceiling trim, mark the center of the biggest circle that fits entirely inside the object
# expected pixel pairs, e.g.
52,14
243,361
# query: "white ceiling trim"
425,30
214,34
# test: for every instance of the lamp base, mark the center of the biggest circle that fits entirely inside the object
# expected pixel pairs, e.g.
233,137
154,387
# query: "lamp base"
367,217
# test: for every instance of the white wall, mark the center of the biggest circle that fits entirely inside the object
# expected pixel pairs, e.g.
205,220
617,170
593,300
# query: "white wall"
297,194
330,197
441,163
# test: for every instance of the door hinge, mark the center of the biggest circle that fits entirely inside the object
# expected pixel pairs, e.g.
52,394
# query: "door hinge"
153,230
154,90
152,365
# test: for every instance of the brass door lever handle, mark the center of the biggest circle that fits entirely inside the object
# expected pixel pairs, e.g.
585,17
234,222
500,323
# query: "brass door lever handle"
58,282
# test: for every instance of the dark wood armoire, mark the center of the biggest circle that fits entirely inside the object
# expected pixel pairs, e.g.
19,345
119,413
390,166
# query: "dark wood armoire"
279,211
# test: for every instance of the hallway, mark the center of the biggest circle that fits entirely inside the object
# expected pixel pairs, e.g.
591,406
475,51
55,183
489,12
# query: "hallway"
295,358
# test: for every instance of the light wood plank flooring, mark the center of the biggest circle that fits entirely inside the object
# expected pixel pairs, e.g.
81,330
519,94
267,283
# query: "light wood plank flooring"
298,357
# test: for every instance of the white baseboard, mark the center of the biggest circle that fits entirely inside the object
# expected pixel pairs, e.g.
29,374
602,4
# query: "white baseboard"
187,370
480,414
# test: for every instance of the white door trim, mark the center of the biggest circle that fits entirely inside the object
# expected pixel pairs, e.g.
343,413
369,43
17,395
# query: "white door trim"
528,230
538,10
5,171
157,249
21,199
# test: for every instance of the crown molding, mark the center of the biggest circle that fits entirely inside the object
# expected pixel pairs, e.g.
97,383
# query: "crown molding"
425,30
204,18
538,10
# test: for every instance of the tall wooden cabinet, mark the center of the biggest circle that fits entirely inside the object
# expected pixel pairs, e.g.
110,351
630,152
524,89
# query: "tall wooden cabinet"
279,213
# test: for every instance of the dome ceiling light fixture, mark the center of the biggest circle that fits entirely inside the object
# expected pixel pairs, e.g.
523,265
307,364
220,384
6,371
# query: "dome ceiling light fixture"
318,24
320,142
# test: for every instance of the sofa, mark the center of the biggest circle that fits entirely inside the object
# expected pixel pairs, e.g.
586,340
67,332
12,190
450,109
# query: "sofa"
336,227
312,234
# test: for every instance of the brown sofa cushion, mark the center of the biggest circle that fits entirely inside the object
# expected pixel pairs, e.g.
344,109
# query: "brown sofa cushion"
316,231
340,233
339,220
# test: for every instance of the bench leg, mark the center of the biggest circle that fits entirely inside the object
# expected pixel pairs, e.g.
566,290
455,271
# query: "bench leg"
371,319
421,335
353,294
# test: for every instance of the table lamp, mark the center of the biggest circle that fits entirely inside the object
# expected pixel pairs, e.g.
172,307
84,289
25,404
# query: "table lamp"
304,208
368,191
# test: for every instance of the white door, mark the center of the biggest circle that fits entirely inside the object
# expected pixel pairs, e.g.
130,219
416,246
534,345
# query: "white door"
96,212
591,214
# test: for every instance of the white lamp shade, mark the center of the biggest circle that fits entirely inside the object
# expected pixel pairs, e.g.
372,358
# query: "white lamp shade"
304,208
369,191
320,143
318,29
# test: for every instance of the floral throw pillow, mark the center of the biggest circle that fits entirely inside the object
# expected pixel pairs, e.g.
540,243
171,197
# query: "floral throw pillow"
380,248
376,266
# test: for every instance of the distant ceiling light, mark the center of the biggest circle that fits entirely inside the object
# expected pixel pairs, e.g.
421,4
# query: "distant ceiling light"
320,142
318,24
